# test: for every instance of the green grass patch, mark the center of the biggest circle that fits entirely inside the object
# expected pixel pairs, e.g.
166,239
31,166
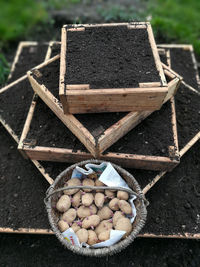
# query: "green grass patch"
120,13
18,17
177,20
4,69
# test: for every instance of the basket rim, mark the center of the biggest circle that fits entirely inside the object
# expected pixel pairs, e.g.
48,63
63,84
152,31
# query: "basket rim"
98,252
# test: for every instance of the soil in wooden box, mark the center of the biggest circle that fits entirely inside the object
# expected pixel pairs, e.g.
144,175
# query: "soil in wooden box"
15,102
31,56
22,188
152,137
182,63
187,114
96,123
174,200
110,57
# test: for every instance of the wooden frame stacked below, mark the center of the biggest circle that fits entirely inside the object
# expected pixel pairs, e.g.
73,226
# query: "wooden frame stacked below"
95,146
10,86
145,190
83,99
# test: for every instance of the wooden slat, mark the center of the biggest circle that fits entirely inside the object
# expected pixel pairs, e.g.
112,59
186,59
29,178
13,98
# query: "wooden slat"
50,232
156,55
63,69
69,120
120,128
103,100
190,144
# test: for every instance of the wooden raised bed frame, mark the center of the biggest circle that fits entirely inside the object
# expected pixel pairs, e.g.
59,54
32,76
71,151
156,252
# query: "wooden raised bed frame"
126,160
95,146
145,190
9,86
83,99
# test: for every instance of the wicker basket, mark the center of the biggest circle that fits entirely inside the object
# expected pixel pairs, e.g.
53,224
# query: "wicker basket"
53,214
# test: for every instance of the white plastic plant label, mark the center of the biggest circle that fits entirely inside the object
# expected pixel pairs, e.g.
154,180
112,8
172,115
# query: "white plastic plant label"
71,237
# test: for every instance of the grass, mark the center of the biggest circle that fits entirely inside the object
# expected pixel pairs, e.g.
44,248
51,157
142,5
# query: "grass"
177,20
120,13
18,17
4,70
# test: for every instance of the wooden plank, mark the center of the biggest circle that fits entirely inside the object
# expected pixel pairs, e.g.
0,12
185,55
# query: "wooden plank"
120,128
77,86
156,55
190,144
149,85
127,99
69,120
63,70
50,232
19,49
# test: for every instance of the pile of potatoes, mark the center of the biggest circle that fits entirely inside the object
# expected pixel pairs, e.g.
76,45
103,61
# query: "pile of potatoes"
93,214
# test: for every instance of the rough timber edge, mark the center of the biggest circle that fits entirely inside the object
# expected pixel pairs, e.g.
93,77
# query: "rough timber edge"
69,120
7,126
39,231
191,49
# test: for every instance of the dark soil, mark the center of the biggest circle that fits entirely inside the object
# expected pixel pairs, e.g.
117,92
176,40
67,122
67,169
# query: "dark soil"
187,115
110,57
181,62
49,131
22,188
175,199
163,58
96,123
15,102
151,137
37,250
30,57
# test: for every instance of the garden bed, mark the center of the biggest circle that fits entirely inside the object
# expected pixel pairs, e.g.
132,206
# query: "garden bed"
94,55
96,131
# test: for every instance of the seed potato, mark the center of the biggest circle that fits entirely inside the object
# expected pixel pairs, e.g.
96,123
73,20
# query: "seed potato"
99,199
87,199
83,211
72,182
117,215
69,216
76,199
88,182
110,193
91,221
63,226
104,235
63,203
75,227
82,235
92,238
124,224
122,195
105,213
103,226
113,204
125,206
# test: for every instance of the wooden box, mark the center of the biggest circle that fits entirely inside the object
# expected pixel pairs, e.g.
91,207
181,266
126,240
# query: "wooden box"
106,128
110,68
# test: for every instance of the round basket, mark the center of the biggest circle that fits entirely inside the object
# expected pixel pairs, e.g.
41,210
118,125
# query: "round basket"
53,214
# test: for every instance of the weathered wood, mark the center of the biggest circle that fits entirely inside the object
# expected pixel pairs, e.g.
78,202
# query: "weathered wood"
126,99
69,120
50,232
